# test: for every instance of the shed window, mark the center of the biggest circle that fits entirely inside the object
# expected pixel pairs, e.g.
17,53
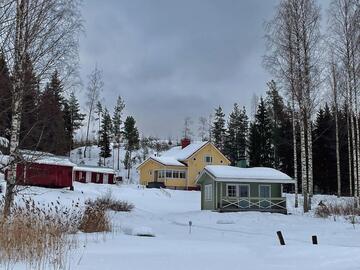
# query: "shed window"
231,190
208,192
244,191
97,177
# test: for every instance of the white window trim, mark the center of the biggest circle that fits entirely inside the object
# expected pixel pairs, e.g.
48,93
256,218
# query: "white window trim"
236,190
265,186
208,192
247,185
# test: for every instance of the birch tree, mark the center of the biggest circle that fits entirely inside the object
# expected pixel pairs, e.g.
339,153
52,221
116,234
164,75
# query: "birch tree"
46,31
344,39
95,87
293,39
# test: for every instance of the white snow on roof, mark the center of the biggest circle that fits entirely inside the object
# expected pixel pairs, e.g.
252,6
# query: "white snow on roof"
94,169
264,174
182,154
169,161
49,160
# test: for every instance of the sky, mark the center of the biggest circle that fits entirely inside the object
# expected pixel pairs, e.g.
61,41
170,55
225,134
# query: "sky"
170,59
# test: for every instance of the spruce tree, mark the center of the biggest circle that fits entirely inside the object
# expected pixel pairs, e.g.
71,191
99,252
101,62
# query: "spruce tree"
105,135
117,125
131,136
5,99
324,152
218,129
236,134
29,129
260,150
73,118
51,118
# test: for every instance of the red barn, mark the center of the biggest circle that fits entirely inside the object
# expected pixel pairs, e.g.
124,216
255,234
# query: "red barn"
45,171
94,174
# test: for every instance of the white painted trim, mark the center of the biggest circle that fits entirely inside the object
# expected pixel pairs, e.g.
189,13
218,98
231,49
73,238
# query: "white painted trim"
207,192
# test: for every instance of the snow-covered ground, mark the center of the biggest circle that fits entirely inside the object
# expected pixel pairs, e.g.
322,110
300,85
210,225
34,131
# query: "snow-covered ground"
217,240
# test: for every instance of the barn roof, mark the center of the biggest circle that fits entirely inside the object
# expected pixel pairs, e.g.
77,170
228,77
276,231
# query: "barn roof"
221,173
97,169
49,160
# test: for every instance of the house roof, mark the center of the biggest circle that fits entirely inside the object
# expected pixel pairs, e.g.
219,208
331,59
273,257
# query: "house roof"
221,173
88,168
182,154
168,161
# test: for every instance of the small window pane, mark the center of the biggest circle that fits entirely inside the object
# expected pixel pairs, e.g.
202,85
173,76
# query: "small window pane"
175,174
168,174
231,191
243,191
182,175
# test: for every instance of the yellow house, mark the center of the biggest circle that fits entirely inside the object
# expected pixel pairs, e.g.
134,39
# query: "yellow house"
179,167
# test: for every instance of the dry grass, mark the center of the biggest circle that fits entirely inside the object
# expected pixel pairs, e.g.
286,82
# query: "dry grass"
43,236
39,236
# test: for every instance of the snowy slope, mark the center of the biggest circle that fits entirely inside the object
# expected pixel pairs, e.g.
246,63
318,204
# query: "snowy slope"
217,240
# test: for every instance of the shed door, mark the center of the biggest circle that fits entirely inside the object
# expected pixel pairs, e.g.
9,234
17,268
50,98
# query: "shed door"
106,178
265,194
88,177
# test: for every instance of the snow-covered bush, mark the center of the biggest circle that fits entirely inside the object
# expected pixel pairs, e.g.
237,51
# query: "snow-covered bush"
109,203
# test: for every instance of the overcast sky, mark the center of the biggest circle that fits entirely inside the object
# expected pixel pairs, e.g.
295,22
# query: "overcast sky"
171,59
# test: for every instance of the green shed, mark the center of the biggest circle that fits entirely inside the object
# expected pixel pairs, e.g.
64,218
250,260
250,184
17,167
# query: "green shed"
227,188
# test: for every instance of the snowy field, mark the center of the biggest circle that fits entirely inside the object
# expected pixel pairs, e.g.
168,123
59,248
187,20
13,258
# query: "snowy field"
217,240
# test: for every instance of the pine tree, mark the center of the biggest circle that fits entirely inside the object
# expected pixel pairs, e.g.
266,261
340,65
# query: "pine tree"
117,125
5,98
260,150
218,129
29,128
105,135
131,135
236,134
73,118
51,119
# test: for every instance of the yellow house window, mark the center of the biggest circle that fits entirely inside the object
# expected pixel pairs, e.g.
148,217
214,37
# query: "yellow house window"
208,159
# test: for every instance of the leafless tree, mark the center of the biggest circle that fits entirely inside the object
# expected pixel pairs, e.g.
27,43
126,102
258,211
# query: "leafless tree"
203,128
344,40
187,132
294,40
94,88
46,32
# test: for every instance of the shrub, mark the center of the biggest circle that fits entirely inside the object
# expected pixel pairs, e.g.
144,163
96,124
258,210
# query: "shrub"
346,210
109,203
95,219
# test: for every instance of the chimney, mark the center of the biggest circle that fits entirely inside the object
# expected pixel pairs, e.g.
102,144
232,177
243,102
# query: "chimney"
185,142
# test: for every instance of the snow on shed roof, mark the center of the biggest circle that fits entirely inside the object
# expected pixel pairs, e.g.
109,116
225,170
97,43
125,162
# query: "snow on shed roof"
169,161
88,168
182,154
49,160
229,173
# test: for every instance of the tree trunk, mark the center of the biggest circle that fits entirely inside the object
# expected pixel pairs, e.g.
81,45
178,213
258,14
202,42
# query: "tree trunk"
303,165
87,133
19,49
118,157
295,154
338,172
129,166
349,154
310,162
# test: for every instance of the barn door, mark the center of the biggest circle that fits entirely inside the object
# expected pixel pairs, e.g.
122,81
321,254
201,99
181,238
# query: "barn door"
106,178
88,177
